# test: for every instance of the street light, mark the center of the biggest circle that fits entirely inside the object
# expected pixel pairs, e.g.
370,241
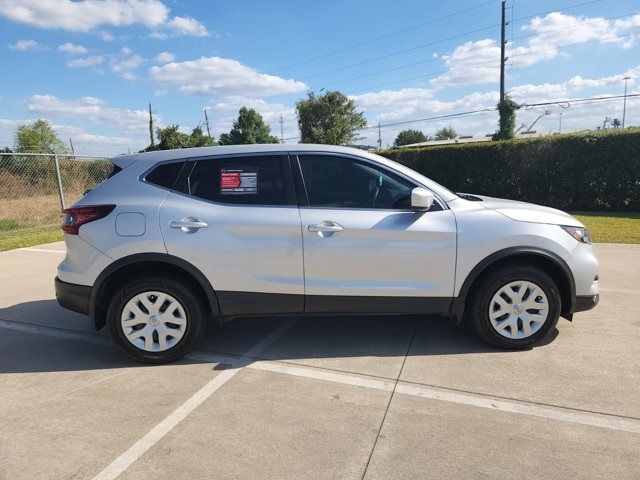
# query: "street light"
624,107
546,112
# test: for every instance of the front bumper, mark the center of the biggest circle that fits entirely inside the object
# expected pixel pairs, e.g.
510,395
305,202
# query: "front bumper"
586,302
73,297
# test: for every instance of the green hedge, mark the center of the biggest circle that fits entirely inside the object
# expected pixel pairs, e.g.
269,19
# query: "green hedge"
592,171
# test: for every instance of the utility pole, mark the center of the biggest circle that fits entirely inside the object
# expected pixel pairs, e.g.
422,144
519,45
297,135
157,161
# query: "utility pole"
560,122
281,129
151,126
503,44
73,152
206,121
624,107
379,137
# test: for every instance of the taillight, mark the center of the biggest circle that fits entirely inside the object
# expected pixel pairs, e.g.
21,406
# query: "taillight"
75,217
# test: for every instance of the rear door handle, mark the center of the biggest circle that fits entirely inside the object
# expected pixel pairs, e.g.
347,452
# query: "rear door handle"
326,228
188,224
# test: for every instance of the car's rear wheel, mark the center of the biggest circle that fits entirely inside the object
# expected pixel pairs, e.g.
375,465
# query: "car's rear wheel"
155,320
514,307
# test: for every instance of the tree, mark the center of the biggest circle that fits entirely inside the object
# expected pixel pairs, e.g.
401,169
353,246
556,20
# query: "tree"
407,137
330,118
249,128
507,110
446,133
38,137
171,137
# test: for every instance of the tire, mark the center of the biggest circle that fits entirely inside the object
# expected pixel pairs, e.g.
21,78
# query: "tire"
155,335
518,324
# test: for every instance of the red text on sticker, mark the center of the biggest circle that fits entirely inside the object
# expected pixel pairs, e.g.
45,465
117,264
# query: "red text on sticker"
229,180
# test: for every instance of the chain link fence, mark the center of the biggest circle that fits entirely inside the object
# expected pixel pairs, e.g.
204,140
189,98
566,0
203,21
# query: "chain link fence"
35,187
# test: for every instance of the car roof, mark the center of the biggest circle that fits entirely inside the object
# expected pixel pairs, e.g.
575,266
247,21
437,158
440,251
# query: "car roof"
161,155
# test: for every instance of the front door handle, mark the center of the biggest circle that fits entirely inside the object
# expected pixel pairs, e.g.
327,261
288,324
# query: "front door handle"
326,228
188,224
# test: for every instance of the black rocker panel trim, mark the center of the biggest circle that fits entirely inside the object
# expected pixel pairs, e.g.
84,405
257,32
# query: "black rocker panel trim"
254,303
257,303
377,304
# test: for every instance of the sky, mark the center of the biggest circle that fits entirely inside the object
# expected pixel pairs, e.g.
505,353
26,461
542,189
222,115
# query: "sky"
92,67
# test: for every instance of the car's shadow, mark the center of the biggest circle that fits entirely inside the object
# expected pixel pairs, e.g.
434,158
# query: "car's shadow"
40,336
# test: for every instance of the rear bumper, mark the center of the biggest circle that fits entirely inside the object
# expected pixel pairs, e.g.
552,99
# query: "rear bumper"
586,302
73,297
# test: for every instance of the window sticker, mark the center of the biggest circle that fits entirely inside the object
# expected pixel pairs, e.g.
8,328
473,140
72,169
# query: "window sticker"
235,181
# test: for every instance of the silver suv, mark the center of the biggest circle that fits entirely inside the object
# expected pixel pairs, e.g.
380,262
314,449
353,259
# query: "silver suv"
175,238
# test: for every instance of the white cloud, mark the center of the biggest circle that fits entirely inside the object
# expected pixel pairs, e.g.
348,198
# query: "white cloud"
106,36
388,106
164,57
24,45
72,49
85,15
125,62
84,142
89,108
128,63
477,62
187,26
221,76
223,113
129,76
84,62
470,63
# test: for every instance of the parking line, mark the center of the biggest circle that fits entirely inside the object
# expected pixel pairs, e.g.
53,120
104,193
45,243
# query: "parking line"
138,449
565,414
40,250
54,332
612,422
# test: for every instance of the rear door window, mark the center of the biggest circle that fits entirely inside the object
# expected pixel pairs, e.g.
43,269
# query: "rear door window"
244,180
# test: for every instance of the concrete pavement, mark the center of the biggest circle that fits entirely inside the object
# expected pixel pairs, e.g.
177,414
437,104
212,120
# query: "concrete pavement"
342,397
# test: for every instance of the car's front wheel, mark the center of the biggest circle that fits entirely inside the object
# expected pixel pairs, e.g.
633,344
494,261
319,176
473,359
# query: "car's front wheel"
155,319
515,306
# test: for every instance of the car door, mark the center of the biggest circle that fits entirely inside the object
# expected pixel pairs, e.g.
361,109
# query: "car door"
365,249
236,219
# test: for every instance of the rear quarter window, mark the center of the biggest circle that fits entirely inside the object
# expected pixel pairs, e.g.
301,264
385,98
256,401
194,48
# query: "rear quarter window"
165,175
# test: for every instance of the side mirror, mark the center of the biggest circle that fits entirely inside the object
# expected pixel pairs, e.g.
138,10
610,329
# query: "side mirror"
421,199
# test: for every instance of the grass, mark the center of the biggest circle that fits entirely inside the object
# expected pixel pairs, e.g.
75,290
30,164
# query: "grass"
28,237
611,227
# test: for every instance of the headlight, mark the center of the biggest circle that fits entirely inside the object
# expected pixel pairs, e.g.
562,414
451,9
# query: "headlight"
579,233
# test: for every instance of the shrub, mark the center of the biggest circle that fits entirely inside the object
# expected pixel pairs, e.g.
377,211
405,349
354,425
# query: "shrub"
590,171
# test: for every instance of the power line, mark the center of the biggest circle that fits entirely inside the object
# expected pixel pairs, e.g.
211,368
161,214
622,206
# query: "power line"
399,52
587,100
353,65
462,66
383,37
434,59
447,70
482,111
466,65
